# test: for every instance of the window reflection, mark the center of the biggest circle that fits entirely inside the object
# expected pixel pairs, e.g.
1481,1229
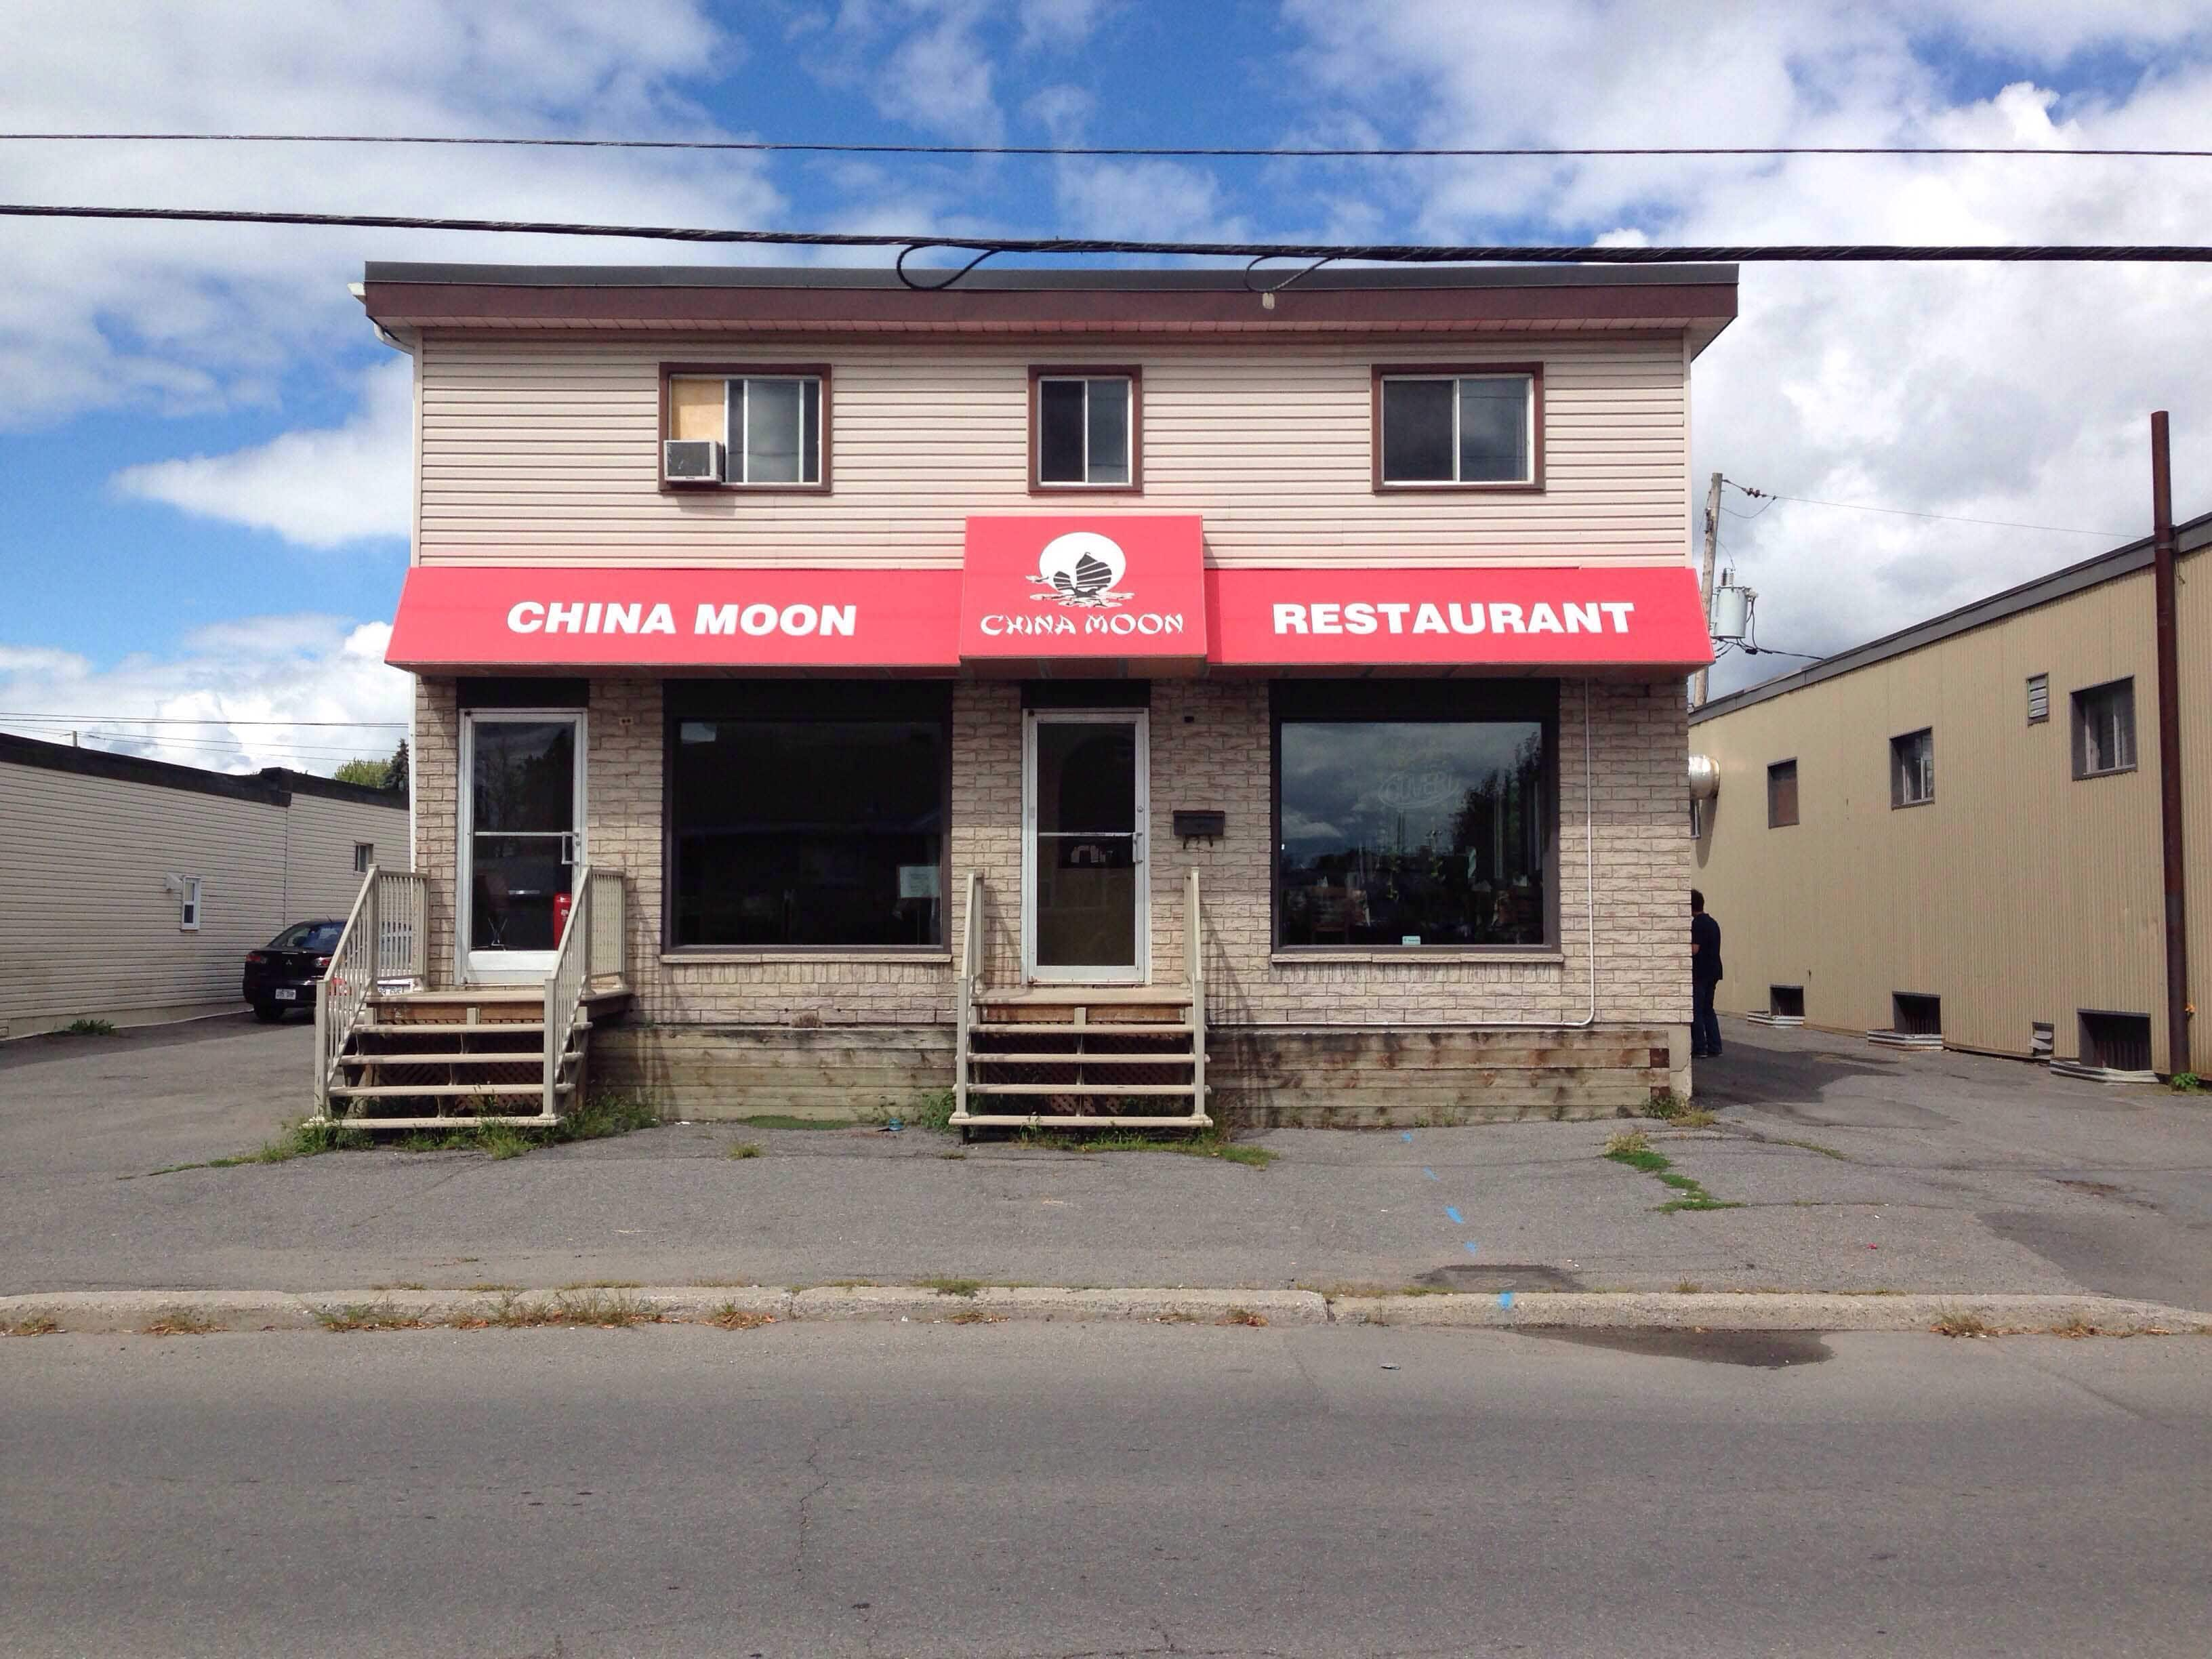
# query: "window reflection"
1413,832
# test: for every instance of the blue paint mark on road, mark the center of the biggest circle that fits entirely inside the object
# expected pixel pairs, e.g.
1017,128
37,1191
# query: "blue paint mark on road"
1405,1135
1505,1298
1431,1174
1454,1215
1470,1247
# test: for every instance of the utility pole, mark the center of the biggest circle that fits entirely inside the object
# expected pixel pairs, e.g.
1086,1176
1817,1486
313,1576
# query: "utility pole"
2169,750
1706,581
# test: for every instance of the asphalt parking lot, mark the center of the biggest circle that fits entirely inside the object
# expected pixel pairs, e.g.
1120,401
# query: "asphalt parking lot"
1851,1168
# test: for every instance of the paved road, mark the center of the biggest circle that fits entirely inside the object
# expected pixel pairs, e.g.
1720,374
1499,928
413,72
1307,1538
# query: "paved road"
1858,1169
1091,1489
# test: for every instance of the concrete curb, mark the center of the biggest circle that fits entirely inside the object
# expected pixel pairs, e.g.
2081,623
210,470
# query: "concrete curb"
195,1312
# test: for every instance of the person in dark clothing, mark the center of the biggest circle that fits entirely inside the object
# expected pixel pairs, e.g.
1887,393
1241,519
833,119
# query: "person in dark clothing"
1704,975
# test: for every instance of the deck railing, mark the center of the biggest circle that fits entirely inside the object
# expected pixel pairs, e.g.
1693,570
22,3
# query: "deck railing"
1193,968
385,944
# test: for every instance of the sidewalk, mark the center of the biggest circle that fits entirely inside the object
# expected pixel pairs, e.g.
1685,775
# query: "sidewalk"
1857,1170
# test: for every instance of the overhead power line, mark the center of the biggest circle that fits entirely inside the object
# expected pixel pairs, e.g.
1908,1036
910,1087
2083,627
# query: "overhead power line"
181,719
1139,152
1910,513
984,247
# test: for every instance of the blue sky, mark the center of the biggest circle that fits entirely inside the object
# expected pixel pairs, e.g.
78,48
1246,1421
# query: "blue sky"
202,457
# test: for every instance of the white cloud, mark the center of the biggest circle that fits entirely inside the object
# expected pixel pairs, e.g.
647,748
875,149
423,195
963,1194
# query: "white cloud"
319,487
2013,392
240,696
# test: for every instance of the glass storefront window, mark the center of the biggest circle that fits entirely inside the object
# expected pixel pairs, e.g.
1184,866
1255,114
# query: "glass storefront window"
807,832
1413,832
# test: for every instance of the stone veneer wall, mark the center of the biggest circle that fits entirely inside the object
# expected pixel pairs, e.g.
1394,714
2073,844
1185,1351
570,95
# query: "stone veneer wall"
1209,749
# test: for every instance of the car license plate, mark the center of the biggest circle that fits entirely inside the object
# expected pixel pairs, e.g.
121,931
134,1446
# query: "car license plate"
288,996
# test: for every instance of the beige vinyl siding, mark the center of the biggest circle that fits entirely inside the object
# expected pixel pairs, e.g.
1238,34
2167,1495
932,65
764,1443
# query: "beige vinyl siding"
2019,894
545,451
89,928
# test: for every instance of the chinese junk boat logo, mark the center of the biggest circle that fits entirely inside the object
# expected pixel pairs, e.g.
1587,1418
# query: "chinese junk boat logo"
1081,568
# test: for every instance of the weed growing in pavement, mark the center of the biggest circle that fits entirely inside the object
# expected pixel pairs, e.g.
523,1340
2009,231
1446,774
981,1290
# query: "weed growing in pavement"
781,1121
975,1316
743,1149
2185,1082
89,1028
1332,1291
575,1307
1630,1147
1244,1316
1208,1143
932,1112
1813,1146
177,1321
966,1287
369,1316
953,1157
37,1324
1959,1322
730,1317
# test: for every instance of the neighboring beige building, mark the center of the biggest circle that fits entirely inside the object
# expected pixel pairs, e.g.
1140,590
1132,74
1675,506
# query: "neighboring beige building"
1955,828
130,890
806,601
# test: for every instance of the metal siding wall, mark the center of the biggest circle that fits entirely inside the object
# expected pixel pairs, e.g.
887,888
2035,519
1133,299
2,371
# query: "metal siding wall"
2193,613
545,449
2018,895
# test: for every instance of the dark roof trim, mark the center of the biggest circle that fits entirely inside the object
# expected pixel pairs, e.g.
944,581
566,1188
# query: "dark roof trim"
738,296
2124,560
273,785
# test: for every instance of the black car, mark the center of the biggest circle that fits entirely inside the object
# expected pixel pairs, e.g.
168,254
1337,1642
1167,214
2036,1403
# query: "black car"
282,974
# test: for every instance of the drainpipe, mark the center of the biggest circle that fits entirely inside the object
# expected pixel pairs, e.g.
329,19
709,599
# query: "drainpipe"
2169,750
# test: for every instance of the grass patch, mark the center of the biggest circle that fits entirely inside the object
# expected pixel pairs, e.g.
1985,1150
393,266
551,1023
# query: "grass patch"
573,1307
1334,1292
743,1149
368,1316
779,1120
932,1112
1961,1323
966,1287
599,1118
1630,1147
35,1324
2185,1082
730,1317
89,1028
177,1321
1815,1147
1208,1143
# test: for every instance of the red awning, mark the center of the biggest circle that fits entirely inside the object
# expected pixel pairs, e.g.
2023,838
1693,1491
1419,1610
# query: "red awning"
1124,592
555,616
1570,619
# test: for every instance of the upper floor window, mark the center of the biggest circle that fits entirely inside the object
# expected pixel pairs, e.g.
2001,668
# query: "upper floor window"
760,429
1084,429
1912,767
2105,729
364,857
1782,795
1464,429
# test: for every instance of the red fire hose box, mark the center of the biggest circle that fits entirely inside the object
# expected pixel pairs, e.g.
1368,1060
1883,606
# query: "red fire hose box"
562,901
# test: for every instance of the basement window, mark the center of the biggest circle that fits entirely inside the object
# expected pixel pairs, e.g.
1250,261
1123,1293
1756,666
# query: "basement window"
2105,729
1786,1001
1914,1015
2119,1042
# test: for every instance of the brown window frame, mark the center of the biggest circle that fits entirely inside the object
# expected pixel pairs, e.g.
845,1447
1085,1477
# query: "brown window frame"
2079,730
1898,799
671,372
1774,820
1130,372
1533,485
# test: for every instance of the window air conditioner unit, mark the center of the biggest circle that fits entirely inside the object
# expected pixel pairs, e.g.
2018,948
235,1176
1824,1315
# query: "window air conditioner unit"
691,460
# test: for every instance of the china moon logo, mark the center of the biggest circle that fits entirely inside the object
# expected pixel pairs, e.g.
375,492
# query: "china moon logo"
1082,568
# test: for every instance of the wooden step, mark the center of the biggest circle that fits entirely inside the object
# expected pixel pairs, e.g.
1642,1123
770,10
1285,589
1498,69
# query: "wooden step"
459,1120
511,1057
1183,1089
985,1057
405,1091
1118,1028
1075,1121
414,1028
1077,996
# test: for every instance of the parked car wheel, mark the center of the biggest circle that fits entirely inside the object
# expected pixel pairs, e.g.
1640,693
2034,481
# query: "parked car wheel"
269,1012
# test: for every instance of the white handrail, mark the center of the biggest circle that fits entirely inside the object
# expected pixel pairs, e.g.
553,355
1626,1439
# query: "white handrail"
564,988
971,981
1193,962
385,939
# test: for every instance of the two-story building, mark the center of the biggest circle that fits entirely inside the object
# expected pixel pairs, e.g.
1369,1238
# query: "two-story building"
991,684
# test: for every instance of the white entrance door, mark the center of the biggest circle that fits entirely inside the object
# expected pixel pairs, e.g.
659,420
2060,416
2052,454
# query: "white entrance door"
1085,788
522,839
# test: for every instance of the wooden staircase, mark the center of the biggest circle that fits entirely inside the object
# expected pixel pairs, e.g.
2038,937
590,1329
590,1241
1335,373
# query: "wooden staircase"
1050,1056
393,1053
